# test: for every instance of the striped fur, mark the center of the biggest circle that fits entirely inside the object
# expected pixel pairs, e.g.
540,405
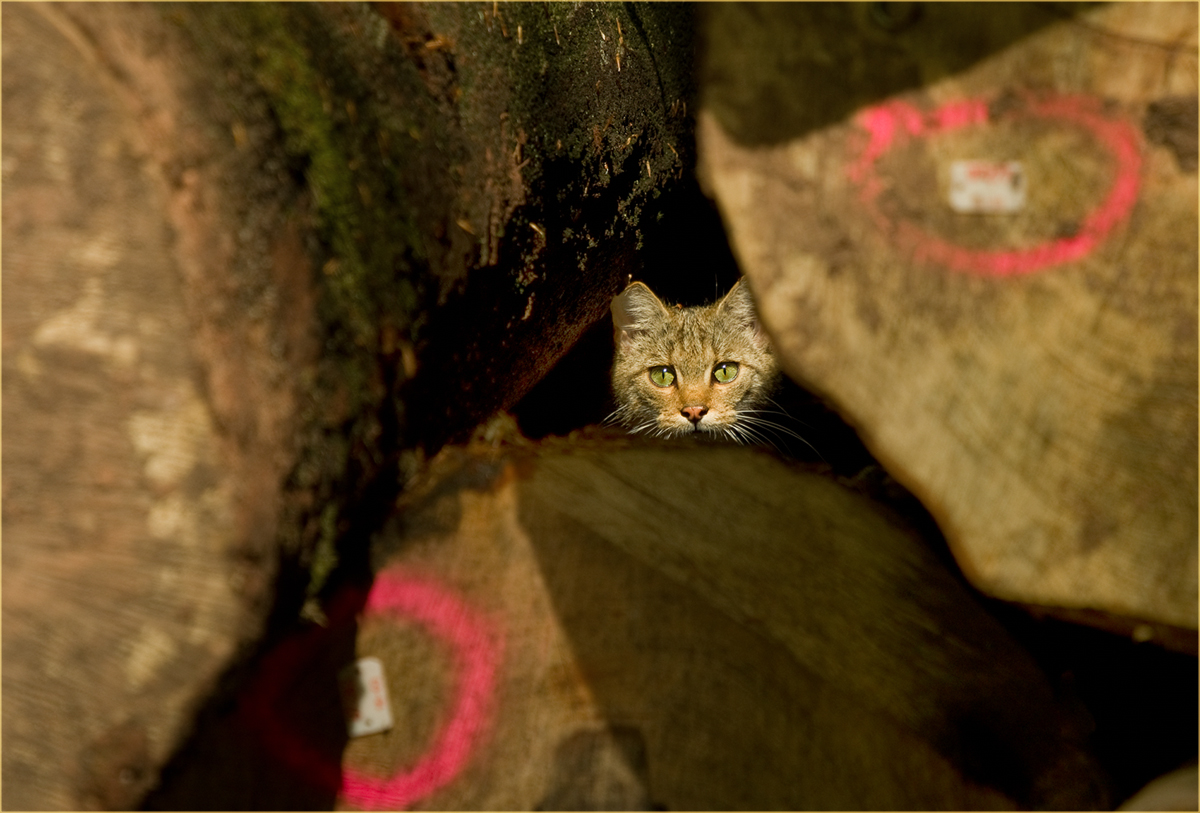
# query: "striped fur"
692,343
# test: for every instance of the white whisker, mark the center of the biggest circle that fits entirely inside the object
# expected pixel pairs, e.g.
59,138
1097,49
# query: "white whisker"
784,412
762,426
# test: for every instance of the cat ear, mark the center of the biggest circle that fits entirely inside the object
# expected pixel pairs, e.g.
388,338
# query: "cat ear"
634,310
738,307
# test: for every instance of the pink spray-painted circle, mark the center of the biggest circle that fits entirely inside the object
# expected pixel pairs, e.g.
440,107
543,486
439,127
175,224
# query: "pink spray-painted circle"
890,123
476,647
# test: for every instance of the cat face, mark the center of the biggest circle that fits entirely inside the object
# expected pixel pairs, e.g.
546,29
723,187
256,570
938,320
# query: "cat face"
680,370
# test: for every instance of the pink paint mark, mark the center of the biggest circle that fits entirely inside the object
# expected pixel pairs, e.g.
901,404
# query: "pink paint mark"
477,654
477,649
884,123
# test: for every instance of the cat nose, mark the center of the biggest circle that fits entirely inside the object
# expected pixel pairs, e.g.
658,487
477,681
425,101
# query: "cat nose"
694,413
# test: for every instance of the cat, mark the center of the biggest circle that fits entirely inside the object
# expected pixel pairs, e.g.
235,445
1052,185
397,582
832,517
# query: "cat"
679,371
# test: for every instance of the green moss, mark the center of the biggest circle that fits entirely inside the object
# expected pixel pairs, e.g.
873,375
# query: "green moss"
308,71
303,107
325,554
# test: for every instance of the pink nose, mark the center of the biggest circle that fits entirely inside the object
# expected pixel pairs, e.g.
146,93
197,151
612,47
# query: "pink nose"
694,413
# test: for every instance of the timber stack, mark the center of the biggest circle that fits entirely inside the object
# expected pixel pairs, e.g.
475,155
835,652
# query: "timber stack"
277,276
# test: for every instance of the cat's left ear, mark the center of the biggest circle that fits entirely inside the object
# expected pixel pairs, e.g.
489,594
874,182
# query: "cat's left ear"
738,306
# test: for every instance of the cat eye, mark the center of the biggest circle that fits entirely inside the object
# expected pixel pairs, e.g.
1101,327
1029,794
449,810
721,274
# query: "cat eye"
725,372
662,376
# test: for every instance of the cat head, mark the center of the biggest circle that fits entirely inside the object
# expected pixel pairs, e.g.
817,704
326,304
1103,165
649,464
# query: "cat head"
679,370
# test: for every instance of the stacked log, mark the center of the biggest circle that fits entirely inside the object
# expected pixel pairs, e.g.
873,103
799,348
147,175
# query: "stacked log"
1028,372
597,623
242,243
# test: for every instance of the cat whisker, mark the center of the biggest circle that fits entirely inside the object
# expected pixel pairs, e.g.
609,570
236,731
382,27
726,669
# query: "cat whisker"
766,423
745,434
747,420
618,417
736,433
742,413
780,412
783,412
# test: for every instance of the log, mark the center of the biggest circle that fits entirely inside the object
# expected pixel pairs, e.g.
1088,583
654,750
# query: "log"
1030,375
141,498
602,624
240,245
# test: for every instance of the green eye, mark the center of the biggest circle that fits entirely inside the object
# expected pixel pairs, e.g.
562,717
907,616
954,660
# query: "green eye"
662,376
725,372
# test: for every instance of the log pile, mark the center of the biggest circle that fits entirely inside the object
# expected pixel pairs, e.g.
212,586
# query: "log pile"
603,624
242,243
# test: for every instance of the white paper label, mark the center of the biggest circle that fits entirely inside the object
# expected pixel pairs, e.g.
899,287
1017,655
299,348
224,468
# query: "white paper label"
365,698
987,186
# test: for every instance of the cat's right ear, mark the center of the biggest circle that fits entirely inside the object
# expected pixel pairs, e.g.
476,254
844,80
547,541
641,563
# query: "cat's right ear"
634,310
738,305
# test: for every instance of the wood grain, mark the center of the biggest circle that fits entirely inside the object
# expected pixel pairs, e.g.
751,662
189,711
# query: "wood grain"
748,635
1044,412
